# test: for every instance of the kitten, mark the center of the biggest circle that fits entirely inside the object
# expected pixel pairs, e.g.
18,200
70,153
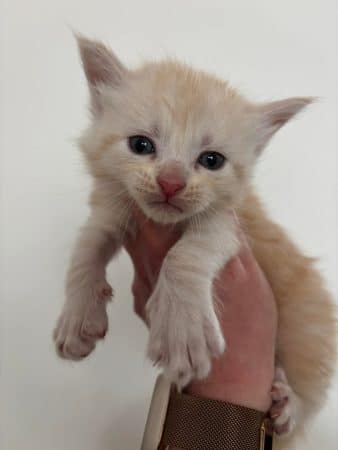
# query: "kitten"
182,145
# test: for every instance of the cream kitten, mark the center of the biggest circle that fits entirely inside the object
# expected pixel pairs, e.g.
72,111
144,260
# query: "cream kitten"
181,145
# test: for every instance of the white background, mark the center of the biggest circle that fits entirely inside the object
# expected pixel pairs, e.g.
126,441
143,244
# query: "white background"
268,49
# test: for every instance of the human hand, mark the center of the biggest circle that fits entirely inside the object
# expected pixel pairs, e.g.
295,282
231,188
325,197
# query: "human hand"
247,313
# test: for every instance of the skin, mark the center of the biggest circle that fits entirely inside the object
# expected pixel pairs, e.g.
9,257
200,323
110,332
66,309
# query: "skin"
247,312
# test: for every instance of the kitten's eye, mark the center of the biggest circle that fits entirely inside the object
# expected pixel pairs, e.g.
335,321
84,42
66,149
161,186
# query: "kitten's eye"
211,160
141,145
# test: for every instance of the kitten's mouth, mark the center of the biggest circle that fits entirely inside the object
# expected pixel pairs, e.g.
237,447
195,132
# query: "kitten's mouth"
166,205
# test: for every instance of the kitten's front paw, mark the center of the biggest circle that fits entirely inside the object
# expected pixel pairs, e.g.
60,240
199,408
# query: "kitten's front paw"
285,409
183,337
82,322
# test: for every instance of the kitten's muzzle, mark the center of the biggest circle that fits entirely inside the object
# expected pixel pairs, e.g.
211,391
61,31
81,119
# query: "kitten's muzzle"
167,205
170,183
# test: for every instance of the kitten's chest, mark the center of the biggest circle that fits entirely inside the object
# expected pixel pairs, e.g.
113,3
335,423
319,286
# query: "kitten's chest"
153,234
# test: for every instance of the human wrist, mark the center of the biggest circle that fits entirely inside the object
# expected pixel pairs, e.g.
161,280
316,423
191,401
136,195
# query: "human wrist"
255,397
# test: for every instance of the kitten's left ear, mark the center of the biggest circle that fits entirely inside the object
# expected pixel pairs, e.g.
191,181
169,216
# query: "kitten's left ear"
101,67
272,116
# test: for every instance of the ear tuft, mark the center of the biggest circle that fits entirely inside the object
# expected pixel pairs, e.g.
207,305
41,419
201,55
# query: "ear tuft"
100,66
278,113
274,115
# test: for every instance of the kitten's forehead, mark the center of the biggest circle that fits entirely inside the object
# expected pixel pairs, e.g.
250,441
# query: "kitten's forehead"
183,110
184,92
179,101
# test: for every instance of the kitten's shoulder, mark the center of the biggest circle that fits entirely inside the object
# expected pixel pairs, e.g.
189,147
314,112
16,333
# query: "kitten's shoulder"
110,205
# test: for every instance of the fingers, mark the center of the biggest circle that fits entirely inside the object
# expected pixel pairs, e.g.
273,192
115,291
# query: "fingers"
139,216
156,238
234,270
148,228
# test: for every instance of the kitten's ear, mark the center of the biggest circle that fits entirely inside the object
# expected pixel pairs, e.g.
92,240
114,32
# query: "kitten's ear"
272,116
101,67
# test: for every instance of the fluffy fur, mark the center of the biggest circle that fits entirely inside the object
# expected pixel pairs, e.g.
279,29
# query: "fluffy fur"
185,112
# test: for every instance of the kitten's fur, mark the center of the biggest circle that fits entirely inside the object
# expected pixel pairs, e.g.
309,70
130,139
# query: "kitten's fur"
186,112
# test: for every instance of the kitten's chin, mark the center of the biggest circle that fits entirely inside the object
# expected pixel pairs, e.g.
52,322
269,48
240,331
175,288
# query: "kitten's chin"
165,213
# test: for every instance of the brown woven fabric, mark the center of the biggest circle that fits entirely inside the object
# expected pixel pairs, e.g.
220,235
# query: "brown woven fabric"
194,423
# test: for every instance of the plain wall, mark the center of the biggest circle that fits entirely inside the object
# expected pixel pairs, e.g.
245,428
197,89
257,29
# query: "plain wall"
268,49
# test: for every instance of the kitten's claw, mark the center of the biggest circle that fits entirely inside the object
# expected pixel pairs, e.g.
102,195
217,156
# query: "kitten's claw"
284,411
83,321
183,347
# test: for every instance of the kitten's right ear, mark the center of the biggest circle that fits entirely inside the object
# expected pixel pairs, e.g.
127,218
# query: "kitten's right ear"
101,67
274,115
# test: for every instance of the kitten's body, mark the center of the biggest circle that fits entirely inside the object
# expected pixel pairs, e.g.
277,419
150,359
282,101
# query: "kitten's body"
186,113
306,339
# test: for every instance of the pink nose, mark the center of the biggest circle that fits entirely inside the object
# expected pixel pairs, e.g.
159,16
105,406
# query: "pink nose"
170,186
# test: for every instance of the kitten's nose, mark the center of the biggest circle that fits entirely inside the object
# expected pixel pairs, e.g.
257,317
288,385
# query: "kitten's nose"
170,185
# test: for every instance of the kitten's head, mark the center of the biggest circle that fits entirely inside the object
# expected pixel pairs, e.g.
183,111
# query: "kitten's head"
179,141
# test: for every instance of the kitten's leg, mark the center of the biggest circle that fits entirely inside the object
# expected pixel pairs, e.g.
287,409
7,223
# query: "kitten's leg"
84,319
184,330
285,411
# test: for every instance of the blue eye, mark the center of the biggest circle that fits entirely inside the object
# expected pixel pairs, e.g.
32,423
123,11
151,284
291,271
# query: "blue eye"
211,160
141,145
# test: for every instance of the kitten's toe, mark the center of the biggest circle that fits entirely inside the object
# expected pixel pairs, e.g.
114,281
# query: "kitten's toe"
157,349
199,357
68,342
183,358
180,372
156,354
182,340
95,323
83,321
214,337
285,408
189,361
77,349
